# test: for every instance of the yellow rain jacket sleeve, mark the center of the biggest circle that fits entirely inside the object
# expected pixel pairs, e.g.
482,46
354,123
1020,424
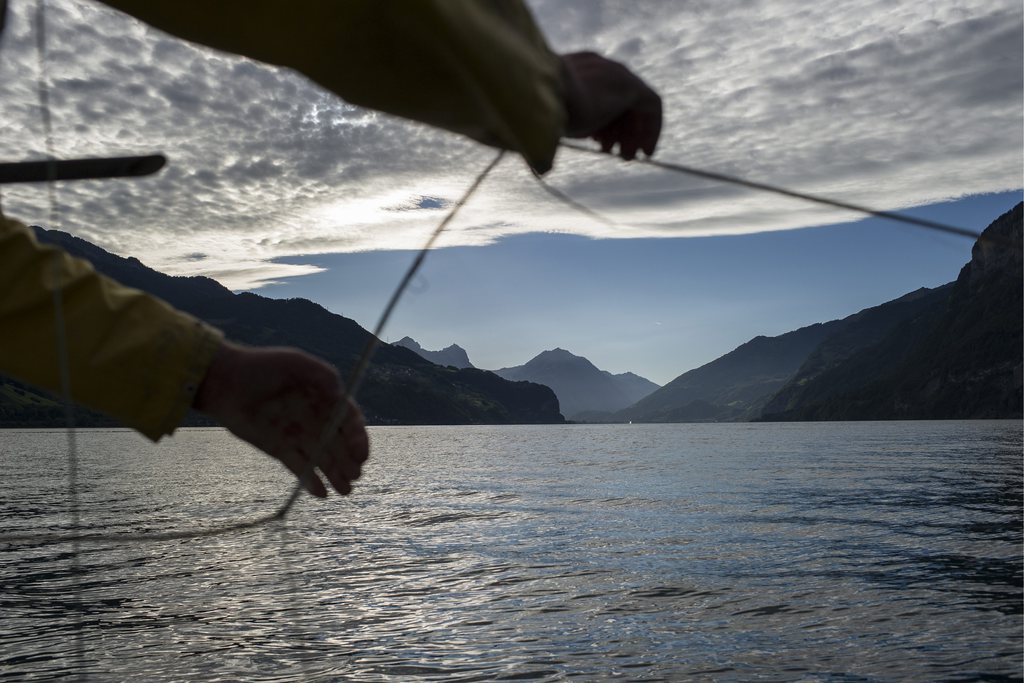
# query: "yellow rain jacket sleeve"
130,355
475,67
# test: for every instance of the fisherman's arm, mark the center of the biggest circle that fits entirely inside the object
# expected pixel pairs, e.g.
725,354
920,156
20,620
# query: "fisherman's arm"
131,355
137,359
479,68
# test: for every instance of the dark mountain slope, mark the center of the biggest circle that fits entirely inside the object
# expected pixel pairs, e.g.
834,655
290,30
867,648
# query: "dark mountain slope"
634,387
734,386
961,358
400,388
904,319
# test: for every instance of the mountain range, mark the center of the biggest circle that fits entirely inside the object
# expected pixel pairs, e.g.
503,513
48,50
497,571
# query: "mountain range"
584,391
954,351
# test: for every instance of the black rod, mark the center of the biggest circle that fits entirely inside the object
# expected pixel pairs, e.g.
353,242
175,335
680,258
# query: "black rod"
80,169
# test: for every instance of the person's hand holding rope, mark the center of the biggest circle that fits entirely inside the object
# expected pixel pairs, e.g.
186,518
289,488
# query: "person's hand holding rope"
606,101
278,399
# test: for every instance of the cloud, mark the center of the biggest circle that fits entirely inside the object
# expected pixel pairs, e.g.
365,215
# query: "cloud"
882,102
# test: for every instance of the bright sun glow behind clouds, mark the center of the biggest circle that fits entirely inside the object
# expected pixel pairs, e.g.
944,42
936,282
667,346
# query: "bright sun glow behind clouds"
891,103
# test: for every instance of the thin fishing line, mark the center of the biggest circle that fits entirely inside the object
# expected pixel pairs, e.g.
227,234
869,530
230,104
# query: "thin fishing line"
332,426
775,189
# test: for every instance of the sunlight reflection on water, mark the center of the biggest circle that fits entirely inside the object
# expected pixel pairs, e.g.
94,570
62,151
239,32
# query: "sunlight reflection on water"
854,551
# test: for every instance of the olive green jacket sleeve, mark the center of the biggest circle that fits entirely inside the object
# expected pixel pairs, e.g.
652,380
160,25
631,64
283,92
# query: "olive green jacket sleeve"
480,68
477,68
130,355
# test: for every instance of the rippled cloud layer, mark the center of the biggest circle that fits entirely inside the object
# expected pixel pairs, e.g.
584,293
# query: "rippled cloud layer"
888,103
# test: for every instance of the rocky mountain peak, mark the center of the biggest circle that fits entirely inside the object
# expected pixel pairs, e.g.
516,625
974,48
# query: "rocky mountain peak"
998,250
453,354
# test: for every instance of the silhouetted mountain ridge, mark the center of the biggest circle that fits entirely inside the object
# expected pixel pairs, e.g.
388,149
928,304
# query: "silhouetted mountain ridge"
400,387
453,355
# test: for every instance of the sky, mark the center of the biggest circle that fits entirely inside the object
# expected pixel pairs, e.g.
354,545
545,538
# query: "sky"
277,187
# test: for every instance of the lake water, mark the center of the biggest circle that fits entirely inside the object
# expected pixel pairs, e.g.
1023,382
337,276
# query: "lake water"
732,552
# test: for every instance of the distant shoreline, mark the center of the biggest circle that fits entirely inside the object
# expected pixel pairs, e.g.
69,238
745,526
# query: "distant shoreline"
212,427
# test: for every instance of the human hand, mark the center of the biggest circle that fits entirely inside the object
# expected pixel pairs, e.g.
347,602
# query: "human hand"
279,400
609,103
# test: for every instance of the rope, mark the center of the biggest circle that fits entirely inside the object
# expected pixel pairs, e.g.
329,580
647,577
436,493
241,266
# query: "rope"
61,337
359,372
773,189
574,204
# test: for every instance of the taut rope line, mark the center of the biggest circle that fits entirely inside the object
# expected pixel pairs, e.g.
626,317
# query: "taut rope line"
773,189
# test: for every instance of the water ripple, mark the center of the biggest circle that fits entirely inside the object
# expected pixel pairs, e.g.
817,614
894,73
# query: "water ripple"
841,552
